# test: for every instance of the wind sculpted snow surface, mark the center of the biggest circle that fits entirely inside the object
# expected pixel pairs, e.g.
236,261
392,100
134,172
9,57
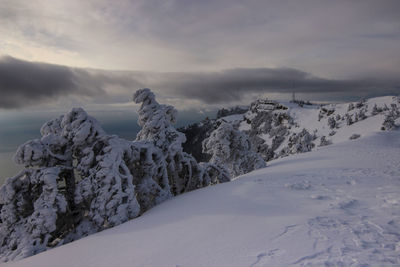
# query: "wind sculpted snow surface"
336,206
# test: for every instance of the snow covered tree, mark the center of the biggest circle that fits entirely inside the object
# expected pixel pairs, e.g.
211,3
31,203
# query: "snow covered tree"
385,107
33,214
394,111
231,148
360,103
376,110
331,122
299,143
361,115
78,180
75,182
388,123
390,118
157,121
349,120
324,141
356,117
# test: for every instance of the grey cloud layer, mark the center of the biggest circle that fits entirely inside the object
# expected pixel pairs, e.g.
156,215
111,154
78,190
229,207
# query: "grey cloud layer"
25,83
329,38
235,84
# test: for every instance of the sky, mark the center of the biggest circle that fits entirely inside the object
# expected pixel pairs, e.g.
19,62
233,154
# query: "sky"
194,52
195,55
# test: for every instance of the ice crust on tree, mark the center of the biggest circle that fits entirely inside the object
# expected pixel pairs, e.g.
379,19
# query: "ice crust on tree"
78,180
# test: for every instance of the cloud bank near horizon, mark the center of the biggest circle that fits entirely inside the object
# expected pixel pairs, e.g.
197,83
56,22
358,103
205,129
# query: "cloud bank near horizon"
24,83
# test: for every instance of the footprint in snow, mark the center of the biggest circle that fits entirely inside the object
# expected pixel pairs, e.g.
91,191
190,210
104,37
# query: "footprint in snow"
320,197
302,185
264,257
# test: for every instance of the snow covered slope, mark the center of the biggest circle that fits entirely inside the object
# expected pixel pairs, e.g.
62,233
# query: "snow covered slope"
280,129
336,206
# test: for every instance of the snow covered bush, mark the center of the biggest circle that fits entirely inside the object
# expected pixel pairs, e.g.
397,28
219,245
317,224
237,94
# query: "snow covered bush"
78,180
231,148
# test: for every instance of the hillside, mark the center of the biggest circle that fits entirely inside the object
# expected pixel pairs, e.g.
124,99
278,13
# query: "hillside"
336,206
280,129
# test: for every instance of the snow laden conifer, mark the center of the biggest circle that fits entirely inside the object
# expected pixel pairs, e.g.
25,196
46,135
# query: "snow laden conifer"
299,143
32,209
390,118
77,180
331,122
184,173
231,148
349,119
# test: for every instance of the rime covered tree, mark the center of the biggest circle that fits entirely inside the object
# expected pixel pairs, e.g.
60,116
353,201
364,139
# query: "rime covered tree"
34,211
299,143
376,110
350,107
349,120
362,115
331,122
157,121
324,141
77,180
232,148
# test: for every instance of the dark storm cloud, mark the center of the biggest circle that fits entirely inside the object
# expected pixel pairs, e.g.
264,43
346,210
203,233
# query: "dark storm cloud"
234,84
25,83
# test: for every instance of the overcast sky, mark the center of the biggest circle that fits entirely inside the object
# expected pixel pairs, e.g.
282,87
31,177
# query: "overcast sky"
196,53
